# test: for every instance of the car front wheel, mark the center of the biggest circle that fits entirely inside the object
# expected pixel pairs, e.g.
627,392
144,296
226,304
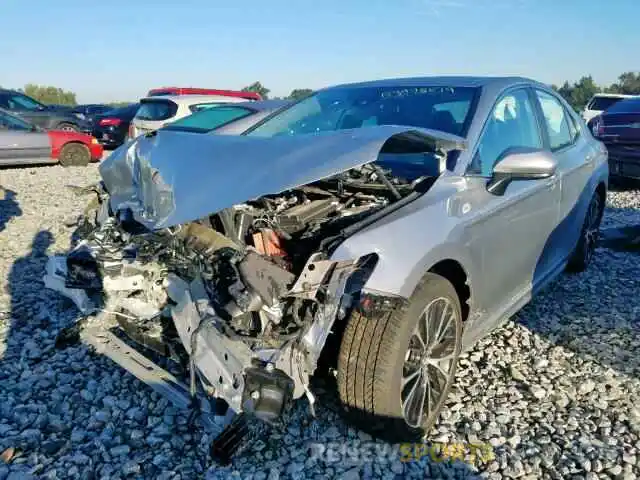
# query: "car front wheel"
74,155
396,366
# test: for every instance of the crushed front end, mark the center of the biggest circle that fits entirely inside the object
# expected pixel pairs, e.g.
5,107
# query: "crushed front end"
230,310
224,305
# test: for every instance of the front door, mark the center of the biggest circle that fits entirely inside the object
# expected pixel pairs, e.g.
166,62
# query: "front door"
510,231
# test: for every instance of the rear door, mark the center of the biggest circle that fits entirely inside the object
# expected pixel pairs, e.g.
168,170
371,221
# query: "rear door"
20,144
576,158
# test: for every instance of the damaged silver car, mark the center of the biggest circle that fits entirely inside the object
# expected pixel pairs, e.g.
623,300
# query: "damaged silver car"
406,218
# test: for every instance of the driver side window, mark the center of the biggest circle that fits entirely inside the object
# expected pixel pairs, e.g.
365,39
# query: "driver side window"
511,124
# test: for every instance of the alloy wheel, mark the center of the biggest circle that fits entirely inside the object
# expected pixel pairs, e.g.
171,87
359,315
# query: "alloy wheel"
430,361
592,229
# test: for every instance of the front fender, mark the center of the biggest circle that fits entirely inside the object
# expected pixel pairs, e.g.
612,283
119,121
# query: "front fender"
408,243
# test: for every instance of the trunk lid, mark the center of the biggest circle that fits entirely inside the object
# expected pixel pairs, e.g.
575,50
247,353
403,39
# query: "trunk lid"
620,127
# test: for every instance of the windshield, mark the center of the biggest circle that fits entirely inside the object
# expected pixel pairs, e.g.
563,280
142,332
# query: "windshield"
602,103
155,110
440,108
631,105
17,101
209,119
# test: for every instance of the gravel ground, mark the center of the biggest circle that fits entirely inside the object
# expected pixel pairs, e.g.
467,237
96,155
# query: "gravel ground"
554,392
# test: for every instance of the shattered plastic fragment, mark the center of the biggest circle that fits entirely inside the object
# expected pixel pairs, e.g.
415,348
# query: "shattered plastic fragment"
55,279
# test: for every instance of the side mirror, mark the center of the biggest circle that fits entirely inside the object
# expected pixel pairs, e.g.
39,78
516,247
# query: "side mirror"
521,164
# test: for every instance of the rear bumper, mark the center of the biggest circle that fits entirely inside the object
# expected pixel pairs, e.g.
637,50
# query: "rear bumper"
624,161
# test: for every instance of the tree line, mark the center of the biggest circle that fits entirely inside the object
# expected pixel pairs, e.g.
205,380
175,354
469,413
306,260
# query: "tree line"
49,95
577,93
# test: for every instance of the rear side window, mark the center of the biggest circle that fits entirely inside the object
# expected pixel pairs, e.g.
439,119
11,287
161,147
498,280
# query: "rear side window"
209,119
156,110
555,117
574,129
16,101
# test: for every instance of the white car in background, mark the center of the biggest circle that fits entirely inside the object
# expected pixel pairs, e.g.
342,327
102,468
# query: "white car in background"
157,111
600,102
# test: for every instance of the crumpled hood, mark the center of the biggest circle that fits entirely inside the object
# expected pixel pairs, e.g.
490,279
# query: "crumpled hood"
177,177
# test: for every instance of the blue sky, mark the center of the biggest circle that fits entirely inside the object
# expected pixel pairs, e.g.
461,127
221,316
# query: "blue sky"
117,50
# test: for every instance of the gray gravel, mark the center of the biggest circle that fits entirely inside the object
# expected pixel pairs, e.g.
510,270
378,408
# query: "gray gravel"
554,391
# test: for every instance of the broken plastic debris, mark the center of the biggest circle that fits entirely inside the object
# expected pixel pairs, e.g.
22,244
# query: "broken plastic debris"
55,279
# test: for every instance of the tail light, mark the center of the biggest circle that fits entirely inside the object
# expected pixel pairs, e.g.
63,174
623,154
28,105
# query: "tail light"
109,122
598,127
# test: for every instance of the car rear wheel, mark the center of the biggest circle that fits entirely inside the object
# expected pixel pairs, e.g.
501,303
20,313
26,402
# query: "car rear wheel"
67,127
396,367
74,155
583,253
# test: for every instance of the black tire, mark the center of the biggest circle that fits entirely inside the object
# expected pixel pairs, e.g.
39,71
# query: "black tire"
583,253
67,127
373,360
74,155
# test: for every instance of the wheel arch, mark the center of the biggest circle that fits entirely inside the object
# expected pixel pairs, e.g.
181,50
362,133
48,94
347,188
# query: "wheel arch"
455,273
601,190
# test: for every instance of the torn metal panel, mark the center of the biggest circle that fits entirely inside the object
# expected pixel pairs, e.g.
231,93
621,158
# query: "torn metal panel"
160,380
220,359
316,336
312,277
161,192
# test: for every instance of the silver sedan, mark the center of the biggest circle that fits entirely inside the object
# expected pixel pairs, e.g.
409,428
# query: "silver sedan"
405,218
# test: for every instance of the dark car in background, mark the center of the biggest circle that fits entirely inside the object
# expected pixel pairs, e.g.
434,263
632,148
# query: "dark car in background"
229,119
619,129
49,117
89,111
111,127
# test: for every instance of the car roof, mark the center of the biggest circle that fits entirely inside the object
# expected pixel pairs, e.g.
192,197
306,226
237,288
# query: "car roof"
444,81
614,95
194,99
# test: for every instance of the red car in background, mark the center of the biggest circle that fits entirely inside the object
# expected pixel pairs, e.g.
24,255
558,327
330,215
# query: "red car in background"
22,143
